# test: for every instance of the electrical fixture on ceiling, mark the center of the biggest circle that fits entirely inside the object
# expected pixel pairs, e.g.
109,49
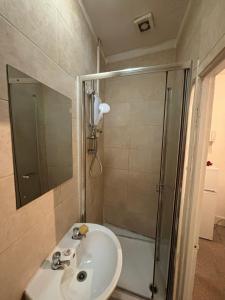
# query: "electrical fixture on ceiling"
145,22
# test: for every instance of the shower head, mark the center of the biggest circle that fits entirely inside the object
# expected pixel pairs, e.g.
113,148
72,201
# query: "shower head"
98,109
104,108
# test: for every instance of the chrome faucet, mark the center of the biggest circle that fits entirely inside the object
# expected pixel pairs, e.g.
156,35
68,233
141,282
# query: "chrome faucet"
77,235
57,263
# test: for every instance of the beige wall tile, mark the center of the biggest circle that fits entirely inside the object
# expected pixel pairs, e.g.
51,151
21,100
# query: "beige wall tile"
6,162
116,196
141,136
146,112
68,188
133,128
145,225
116,158
21,53
65,216
68,54
36,19
148,87
213,18
33,36
8,197
57,196
140,203
21,260
203,30
118,116
115,177
94,201
94,198
144,160
116,136
94,185
159,58
142,182
18,222
71,12
113,215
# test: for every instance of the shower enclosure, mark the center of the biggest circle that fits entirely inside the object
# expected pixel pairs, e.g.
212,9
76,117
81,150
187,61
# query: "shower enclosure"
141,148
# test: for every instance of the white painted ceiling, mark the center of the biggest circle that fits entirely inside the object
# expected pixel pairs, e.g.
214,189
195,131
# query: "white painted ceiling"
112,21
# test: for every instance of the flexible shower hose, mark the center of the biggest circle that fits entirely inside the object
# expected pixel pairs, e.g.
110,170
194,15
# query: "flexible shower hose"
95,158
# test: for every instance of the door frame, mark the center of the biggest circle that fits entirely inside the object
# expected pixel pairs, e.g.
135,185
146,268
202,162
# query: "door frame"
189,227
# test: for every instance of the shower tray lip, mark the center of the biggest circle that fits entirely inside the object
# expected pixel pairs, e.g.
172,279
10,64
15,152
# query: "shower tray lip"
98,256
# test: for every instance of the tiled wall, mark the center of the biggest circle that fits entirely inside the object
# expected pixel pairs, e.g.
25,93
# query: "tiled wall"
94,188
158,58
132,143
50,41
203,35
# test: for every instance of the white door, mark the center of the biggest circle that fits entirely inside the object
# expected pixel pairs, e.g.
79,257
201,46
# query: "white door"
208,215
209,201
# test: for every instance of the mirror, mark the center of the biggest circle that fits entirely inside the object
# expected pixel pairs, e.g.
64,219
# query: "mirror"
41,123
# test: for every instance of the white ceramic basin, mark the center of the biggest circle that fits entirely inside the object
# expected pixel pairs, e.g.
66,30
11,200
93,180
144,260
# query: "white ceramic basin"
99,255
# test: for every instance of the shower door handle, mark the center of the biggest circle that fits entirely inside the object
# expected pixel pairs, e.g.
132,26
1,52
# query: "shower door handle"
161,186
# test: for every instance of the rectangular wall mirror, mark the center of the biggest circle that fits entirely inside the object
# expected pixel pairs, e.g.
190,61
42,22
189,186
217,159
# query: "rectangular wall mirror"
41,122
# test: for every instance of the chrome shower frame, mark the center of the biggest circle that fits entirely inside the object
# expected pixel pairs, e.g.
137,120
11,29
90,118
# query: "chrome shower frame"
81,93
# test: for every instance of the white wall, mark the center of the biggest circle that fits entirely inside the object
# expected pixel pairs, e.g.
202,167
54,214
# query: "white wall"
216,152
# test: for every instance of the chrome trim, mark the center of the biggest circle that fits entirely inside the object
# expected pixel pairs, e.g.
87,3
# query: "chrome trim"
136,71
162,170
178,186
83,162
81,148
179,181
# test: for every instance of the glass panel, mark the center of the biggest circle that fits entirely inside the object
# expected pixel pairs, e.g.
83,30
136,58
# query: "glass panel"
132,151
41,121
168,177
146,109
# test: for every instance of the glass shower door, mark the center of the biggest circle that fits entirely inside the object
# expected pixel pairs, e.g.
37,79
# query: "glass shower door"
169,185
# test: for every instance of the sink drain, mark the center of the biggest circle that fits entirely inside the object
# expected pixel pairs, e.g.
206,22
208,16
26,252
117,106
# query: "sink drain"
81,276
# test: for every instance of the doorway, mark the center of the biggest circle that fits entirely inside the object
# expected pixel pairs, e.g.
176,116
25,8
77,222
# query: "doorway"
210,267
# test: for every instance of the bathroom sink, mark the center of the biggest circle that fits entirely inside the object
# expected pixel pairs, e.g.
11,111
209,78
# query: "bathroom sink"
92,274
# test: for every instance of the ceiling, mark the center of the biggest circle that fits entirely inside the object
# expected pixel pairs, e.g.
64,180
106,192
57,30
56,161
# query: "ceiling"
112,21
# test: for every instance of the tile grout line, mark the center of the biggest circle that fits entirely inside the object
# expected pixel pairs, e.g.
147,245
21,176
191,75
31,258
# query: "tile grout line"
36,45
20,237
2,99
7,176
